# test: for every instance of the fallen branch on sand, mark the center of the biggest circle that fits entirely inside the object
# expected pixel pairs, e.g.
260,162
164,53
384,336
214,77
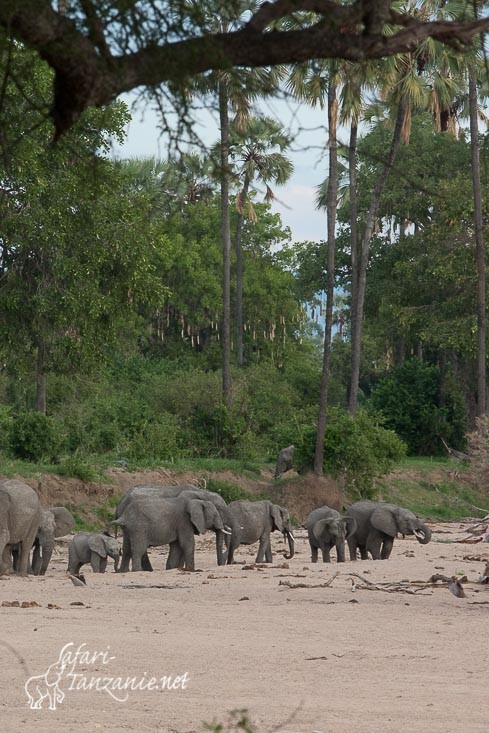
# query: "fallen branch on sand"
288,584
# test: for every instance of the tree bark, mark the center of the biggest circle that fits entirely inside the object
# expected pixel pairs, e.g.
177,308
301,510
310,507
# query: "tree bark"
239,275
332,197
226,245
352,173
479,245
357,315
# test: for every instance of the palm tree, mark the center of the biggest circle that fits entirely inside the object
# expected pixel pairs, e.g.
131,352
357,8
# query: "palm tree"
254,152
235,90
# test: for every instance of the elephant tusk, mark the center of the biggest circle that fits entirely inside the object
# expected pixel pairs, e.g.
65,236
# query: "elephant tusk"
228,528
418,533
224,531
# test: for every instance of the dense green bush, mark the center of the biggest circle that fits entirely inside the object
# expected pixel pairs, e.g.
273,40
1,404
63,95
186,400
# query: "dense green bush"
232,492
410,401
6,421
357,449
35,437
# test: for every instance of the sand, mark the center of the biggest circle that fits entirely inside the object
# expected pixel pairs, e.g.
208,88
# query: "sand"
299,660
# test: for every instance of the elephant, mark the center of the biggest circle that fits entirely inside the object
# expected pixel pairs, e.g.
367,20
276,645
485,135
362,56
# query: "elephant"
377,526
284,461
20,517
152,520
253,522
191,492
55,522
92,547
326,528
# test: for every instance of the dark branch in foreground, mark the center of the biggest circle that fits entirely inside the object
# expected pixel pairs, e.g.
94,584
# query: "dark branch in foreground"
91,71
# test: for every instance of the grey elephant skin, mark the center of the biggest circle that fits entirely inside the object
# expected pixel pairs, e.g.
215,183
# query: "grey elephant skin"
378,524
55,522
152,519
285,461
93,548
20,517
326,528
254,521
191,492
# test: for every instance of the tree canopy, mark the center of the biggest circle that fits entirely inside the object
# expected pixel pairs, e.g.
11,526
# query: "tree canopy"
99,50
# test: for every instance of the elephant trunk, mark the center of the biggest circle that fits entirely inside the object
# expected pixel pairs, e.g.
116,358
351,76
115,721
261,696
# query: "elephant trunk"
340,550
290,539
47,548
423,534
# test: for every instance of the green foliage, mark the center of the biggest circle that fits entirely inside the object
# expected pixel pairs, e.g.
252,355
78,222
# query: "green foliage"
232,492
35,437
356,449
76,467
6,422
409,399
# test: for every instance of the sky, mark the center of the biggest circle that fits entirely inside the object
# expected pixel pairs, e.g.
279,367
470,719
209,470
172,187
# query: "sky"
294,201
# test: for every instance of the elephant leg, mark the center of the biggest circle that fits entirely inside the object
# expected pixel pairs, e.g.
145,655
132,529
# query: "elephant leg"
25,550
314,553
188,550
374,543
74,568
126,553
352,548
95,562
386,548
36,559
146,564
325,553
175,557
15,557
231,548
103,564
263,547
363,552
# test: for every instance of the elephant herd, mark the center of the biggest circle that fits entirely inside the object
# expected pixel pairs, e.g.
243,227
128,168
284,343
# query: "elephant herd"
152,516
367,526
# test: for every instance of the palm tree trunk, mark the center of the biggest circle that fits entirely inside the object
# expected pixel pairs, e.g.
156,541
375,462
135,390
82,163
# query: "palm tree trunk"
332,198
226,245
357,314
352,173
239,273
479,245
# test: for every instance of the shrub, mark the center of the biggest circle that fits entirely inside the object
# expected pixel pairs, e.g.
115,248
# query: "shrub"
232,492
6,422
409,400
356,449
77,467
35,437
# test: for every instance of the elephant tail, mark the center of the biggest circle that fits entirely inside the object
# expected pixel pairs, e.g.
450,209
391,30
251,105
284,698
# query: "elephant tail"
119,522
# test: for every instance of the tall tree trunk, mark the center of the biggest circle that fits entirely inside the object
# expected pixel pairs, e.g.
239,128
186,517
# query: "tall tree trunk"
226,245
239,273
357,315
479,245
332,198
41,378
352,173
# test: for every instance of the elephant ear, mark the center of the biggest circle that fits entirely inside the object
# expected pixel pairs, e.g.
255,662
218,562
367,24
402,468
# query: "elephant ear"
350,525
96,544
277,518
212,517
47,526
197,515
320,526
384,520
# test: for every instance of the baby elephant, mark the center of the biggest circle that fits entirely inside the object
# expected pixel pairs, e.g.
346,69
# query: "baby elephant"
93,548
326,528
